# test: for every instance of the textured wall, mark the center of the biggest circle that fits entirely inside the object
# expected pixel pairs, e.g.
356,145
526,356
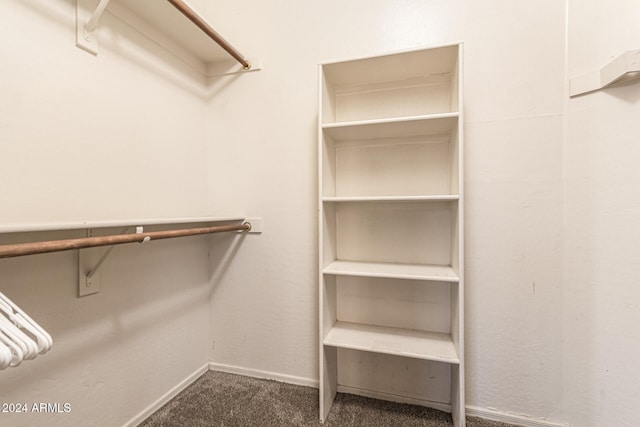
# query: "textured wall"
602,223
550,222
264,311
120,135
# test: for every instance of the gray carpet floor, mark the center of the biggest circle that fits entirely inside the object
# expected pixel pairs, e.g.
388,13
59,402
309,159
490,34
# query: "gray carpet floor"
220,399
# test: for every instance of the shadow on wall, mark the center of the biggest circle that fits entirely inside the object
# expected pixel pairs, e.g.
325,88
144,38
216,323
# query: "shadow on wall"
628,91
222,252
127,42
145,290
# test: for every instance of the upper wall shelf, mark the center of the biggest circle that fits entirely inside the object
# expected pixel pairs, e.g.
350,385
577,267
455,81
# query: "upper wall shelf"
79,225
623,69
173,24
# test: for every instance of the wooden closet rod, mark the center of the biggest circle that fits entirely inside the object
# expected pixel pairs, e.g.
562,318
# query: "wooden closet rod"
20,249
213,34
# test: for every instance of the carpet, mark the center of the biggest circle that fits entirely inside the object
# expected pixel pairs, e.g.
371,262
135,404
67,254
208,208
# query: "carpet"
221,399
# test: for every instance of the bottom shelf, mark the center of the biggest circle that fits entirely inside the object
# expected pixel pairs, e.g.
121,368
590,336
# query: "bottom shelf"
395,341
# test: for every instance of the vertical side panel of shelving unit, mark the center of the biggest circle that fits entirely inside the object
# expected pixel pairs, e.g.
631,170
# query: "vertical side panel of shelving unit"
454,162
457,252
328,356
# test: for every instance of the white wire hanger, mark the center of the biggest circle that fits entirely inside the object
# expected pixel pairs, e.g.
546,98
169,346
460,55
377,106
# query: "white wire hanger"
21,338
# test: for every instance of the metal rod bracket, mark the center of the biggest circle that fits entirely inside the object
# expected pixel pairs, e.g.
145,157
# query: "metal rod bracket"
87,259
88,280
88,15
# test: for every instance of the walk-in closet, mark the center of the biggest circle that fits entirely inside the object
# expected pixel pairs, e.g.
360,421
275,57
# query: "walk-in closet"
337,213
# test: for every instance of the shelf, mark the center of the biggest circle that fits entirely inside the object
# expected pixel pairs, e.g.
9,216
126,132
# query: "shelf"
440,273
396,233
402,84
162,16
164,24
400,127
395,66
364,199
408,156
394,341
79,225
622,70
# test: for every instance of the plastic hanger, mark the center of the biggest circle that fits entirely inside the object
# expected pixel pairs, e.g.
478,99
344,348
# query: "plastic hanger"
5,356
26,344
16,355
42,342
24,316
7,335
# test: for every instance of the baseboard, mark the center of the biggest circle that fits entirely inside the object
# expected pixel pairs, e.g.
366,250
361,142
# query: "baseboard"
166,397
505,417
394,398
265,375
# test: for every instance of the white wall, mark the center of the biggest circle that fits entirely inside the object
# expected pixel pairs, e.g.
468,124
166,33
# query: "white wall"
86,137
264,162
515,98
602,223
116,136
264,142
550,222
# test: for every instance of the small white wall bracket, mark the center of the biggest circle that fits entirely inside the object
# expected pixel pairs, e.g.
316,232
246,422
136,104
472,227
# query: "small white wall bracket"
624,68
256,225
87,259
88,13
229,67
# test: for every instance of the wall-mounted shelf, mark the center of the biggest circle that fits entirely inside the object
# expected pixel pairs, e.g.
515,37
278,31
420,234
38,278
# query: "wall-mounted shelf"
625,68
162,22
81,225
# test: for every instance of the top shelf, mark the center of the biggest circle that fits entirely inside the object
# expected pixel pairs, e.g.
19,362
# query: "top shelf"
405,84
163,23
397,66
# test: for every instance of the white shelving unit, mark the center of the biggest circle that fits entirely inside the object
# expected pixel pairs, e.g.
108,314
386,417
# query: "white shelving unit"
391,220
